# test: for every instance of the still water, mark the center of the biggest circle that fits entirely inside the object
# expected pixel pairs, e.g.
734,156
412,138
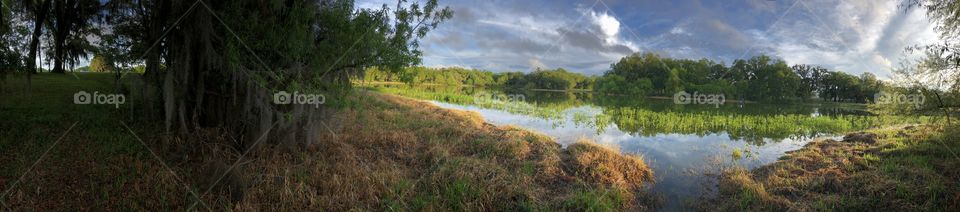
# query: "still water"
683,143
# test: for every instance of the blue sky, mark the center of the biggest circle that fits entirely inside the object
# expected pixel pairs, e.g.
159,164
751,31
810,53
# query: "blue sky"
586,36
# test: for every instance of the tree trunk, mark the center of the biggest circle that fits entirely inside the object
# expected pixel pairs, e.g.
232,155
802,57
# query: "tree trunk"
62,29
151,76
946,112
41,16
202,89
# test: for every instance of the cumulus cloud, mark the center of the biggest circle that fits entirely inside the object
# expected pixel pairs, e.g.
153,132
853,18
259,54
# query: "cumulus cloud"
608,25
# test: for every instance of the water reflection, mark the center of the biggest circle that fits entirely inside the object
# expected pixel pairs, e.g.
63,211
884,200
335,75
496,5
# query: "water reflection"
677,141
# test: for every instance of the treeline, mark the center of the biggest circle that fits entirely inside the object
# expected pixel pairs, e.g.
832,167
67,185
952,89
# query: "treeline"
426,75
555,79
760,78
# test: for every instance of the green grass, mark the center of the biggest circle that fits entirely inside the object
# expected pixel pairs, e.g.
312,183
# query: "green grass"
597,199
98,156
48,109
907,169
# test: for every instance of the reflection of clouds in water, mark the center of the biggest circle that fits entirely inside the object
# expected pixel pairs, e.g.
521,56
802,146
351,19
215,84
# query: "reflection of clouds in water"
677,159
563,131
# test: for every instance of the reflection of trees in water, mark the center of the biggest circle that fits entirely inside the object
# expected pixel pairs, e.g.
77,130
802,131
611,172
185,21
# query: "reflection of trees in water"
750,128
643,116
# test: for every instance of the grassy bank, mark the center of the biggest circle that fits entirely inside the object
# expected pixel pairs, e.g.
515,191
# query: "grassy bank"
402,154
387,153
896,169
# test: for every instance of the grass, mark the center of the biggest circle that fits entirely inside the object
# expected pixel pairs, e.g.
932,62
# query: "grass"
896,168
96,165
406,155
386,153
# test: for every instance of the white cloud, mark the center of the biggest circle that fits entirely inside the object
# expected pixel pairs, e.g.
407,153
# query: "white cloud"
852,36
608,25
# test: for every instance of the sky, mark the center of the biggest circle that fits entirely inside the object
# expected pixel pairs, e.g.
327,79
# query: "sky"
586,36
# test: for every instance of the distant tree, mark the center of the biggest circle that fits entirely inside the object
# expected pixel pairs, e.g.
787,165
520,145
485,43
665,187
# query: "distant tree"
673,83
101,63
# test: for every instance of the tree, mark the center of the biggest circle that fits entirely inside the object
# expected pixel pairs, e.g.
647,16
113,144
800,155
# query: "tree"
946,14
10,58
71,21
225,65
101,63
932,76
674,84
39,11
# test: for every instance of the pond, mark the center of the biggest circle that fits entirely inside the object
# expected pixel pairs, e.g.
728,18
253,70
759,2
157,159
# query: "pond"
681,142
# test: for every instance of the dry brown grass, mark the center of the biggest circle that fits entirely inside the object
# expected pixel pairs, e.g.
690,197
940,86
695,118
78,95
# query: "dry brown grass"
392,153
396,153
606,166
888,169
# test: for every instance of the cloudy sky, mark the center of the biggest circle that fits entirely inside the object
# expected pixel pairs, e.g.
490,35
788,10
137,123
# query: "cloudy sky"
586,36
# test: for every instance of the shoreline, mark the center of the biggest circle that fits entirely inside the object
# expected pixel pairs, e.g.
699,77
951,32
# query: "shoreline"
888,168
726,101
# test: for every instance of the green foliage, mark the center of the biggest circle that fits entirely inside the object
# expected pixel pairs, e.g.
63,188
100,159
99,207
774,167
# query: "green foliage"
368,37
760,78
425,75
101,63
558,79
